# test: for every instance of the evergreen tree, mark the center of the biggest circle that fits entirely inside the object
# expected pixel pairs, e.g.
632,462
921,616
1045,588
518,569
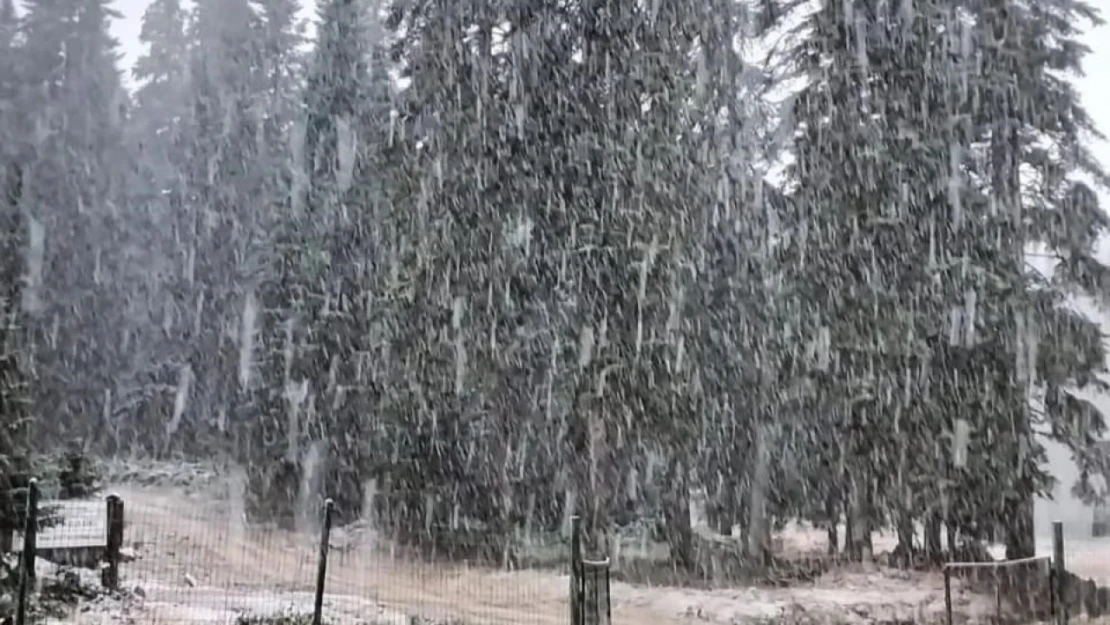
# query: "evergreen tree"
158,131
14,347
351,164
9,80
931,305
14,445
1022,106
72,189
428,287
161,70
554,227
273,483
224,235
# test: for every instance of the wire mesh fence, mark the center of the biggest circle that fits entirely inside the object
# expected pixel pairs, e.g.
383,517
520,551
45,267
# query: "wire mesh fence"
197,561
176,557
1024,590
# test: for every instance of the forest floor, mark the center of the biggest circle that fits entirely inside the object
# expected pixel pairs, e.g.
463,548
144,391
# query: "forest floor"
188,564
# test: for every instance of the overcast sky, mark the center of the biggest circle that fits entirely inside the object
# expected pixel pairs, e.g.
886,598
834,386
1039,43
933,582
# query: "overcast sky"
127,29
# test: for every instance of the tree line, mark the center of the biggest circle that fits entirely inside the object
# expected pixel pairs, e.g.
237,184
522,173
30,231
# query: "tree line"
507,260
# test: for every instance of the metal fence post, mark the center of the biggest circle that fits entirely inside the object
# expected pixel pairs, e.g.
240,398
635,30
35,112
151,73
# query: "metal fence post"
997,596
608,591
595,609
30,549
322,568
1060,573
109,576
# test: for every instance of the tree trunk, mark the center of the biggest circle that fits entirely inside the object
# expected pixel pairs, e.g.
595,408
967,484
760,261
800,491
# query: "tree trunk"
237,501
932,538
503,520
7,516
759,529
596,509
311,488
832,514
676,516
569,511
860,528
726,513
1020,538
713,512
904,550
849,532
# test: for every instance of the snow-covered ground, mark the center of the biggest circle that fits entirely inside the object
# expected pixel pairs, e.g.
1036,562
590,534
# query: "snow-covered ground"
195,564
1088,558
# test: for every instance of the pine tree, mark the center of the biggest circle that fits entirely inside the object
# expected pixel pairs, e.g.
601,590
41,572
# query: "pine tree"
11,138
158,130
12,385
918,273
1023,106
161,113
752,394
556,221
72,190
359,98
161,70
274,446
224,233
9,27
310,302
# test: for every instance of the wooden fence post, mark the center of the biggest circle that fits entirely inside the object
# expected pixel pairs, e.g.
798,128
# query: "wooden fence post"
1060,573
595,577
109,575
30,550
322,567
947,594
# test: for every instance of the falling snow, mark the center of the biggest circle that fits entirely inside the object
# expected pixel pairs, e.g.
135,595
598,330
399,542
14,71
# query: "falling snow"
483,266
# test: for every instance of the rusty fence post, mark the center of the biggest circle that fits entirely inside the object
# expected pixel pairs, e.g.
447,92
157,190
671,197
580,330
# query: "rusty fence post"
30,550
109,575
322,567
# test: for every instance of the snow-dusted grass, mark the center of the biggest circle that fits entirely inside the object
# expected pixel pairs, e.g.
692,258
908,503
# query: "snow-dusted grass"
195,566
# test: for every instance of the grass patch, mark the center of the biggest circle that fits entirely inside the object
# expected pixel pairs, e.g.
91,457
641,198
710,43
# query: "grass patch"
282,618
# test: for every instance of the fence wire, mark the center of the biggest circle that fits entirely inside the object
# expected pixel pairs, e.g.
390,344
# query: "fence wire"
180,558
192,561
1023,590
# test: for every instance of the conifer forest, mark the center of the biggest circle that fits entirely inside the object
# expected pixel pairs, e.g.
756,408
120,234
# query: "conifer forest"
488,264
